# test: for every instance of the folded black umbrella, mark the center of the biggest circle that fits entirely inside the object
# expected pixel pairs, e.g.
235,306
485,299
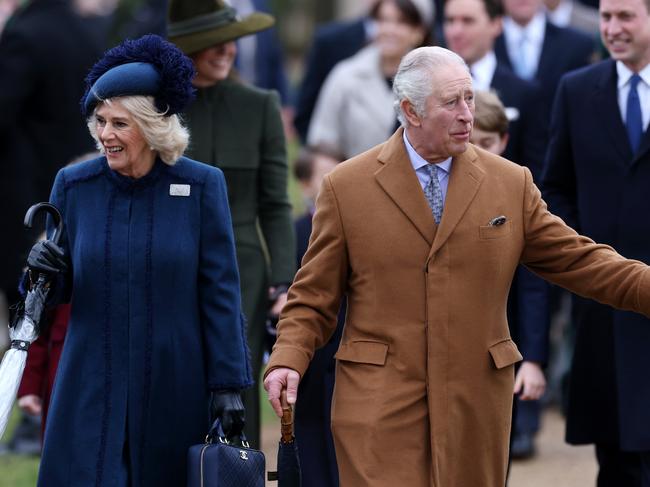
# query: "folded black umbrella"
288,471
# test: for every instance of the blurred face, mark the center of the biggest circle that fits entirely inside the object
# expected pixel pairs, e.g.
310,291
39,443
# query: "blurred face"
625,30
492,142
444,129
214,64
468,29
522,11
126,149
322,166
395,37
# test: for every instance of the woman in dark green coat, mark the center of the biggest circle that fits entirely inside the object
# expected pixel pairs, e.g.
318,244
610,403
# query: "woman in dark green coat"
238,128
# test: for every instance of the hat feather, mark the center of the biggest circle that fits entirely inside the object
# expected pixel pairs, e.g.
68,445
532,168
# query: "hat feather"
175,68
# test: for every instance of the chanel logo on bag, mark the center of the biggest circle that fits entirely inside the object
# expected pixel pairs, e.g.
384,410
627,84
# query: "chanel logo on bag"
243,455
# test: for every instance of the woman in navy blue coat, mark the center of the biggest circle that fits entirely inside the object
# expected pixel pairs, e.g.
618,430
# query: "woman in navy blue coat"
156,329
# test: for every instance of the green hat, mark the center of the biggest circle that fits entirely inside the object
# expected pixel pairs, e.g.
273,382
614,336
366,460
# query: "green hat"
194,25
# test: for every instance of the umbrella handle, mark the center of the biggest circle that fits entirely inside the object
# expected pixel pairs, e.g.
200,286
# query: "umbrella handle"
286,423
54,213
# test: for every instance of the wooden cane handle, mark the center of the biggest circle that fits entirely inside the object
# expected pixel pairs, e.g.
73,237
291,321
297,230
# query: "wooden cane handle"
286,423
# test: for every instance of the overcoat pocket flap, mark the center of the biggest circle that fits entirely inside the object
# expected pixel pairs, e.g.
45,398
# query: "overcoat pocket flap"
363,352
505,353
489,232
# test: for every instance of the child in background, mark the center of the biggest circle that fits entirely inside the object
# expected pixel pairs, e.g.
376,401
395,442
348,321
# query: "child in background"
529,322
313,410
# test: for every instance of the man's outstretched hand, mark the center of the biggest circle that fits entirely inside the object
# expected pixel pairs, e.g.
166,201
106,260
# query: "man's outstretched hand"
278,379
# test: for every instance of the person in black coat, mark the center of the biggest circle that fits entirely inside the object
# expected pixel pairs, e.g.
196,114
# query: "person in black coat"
333,42
312,417
597,181
551,52
45,51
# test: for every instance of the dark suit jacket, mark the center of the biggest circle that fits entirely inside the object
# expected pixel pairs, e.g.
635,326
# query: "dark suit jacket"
45,53
564,49
595,183
332,43
528,132
528,311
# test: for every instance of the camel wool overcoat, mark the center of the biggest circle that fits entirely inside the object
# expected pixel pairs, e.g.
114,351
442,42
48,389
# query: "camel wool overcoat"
425,372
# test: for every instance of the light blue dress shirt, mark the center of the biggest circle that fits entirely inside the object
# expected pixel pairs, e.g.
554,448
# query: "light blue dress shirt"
421,171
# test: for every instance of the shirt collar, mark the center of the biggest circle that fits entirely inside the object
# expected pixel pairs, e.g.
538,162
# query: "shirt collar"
418,162
534,30
483,71
624,74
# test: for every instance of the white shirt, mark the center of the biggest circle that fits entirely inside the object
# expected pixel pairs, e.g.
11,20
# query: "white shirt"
421,171
561,16
643,89
483,71
533,33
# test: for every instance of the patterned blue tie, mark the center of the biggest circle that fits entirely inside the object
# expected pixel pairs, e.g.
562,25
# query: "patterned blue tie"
433,193
633,121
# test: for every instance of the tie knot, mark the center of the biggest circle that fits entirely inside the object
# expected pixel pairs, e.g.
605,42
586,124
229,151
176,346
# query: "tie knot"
433,170
634,81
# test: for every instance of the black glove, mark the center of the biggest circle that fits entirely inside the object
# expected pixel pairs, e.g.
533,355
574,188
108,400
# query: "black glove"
227,407
47,257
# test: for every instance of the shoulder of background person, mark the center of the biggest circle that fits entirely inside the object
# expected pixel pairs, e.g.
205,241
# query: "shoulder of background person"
585,18
242,92
336,32
578,41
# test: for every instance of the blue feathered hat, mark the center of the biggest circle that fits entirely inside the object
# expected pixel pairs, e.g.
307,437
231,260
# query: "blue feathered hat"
148,66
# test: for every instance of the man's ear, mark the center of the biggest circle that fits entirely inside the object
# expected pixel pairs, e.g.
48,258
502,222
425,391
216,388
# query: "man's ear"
409,113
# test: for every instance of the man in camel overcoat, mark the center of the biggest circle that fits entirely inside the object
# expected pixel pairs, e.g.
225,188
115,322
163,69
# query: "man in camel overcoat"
423,234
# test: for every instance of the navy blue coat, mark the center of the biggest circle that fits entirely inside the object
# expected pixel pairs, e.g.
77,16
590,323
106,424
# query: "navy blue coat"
563,50
529,131
528,301
333,43
314,404
597,185
155,323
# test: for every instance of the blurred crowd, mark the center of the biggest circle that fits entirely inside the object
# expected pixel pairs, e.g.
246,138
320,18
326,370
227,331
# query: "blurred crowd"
553,80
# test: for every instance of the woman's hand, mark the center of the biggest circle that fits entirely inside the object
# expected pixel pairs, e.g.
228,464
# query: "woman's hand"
227,407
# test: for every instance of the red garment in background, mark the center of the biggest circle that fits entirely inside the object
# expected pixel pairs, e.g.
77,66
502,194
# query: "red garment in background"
43,359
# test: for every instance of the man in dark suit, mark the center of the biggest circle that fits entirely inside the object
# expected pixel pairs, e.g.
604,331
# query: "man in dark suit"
597,179
333,42
470,28
535,49
46,50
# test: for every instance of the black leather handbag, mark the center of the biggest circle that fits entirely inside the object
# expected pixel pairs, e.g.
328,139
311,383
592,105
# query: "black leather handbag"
220,463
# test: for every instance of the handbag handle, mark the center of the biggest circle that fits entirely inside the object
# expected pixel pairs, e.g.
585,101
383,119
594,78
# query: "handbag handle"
216,432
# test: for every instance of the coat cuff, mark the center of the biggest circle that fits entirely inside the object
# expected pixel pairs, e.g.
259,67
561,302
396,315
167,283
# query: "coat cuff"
643,293
289,357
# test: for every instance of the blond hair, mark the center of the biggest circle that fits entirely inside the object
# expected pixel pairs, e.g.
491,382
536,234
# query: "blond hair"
165,135
489,113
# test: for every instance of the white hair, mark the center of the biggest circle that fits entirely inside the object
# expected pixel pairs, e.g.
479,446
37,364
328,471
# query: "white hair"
165,135
414,78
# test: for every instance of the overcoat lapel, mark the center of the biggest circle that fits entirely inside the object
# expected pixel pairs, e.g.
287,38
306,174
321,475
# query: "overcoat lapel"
464,181
397,178
606,101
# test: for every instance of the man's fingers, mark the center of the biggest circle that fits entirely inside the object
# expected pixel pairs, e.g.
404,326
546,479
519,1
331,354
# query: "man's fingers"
293,378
